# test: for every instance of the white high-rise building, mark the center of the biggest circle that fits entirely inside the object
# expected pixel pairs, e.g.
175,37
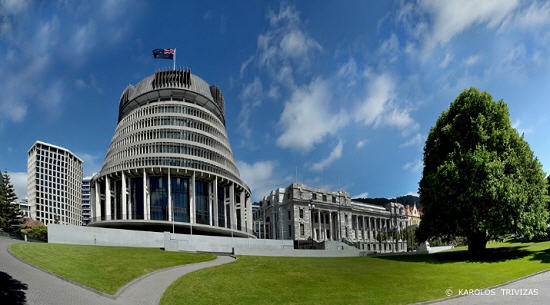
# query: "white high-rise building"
54,184
86,209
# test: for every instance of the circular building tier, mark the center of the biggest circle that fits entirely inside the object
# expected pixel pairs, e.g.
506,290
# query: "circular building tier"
170,162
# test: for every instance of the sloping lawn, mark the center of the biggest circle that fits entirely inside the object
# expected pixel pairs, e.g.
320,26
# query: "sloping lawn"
360,280
106,269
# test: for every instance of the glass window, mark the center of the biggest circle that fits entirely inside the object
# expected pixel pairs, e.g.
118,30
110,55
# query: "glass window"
180,198
301,213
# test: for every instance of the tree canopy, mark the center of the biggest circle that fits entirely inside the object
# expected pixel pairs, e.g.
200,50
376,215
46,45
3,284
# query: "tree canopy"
10,214
480,178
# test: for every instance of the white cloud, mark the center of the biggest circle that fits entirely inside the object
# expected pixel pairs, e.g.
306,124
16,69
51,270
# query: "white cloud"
414,166
361,143
446,60
335,154
348,72
12,7
362,195
390,48
19,182
91,163
536,15
434,23
261,177
415,140
296,44
472,60
245,64
285,44
521,131
307,117
412,194
378,107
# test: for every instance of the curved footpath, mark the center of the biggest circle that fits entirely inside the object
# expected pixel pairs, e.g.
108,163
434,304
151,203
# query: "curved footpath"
531,289
44,288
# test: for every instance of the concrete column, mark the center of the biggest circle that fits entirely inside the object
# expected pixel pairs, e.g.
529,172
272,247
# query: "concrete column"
249,216
210,204
339,225
325,237
263,225
233,212
370,228
145,197
107,199
215,206
319,224
242,199
331,231
192,199
357,227
123,195
97,202
170,209
130,203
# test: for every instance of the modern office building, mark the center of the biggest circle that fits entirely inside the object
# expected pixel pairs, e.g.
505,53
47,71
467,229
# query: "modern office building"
54,184
24,207
169,164
299,212
86,209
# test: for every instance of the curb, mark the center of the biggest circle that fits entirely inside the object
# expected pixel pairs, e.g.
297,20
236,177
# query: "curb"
491,287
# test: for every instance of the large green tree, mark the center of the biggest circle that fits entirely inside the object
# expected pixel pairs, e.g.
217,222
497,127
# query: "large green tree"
10,214
480,179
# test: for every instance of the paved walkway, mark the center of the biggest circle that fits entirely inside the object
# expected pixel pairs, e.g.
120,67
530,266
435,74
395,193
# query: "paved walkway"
19,280
531,290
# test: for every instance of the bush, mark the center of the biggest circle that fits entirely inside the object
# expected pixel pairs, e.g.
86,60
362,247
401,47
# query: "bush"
38,233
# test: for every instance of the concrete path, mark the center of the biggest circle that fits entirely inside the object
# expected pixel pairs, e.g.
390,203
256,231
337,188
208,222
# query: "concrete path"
20,282
530,290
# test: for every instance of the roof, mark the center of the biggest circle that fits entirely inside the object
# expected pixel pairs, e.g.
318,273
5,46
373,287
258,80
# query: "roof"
55,146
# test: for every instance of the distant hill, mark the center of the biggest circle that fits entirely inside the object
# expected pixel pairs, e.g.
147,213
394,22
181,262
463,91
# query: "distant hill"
405,200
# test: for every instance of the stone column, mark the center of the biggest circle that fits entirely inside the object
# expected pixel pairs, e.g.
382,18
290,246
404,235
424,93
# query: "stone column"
192,199
319,224
215,206
242,204
123,195
170,209
97,202
107,199
263,224
370,228
331,231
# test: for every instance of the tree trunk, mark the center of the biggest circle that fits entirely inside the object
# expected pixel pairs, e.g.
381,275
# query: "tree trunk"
477,243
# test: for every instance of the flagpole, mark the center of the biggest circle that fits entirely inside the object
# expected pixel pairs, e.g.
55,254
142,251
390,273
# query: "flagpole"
174,59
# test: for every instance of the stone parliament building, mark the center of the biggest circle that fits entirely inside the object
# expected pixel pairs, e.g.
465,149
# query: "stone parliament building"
301,213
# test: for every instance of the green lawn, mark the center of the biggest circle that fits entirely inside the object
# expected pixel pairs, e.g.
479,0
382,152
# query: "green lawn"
360,280
103,268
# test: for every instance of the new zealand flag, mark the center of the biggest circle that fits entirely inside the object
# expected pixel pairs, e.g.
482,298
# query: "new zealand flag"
163,53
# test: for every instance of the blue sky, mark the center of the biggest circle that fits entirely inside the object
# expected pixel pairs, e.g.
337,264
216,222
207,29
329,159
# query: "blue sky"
339,94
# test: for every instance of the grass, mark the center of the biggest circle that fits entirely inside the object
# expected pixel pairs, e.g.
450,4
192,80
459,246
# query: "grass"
357,280
106,269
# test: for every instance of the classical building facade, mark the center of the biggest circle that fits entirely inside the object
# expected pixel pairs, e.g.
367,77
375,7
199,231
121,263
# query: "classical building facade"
414,214
169,164
299,212
54,184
